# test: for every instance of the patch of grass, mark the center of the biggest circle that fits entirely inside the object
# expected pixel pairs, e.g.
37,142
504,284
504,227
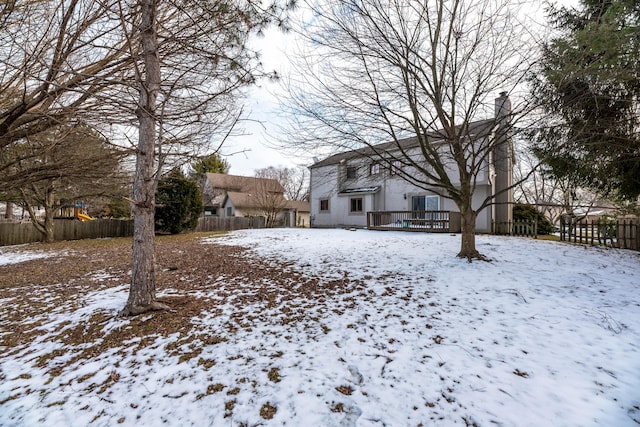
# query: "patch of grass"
268,411
520,373
23,377
206,363
215,388
345,389
274,375
85,377
337,407
212,339
228,408
10,398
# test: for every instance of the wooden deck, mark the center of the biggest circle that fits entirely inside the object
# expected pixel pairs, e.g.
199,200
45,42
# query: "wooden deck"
425,221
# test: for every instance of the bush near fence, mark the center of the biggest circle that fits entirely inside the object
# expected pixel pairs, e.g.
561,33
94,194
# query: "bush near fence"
21,233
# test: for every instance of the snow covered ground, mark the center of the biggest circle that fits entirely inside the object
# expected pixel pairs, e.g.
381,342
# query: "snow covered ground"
11,257
547,334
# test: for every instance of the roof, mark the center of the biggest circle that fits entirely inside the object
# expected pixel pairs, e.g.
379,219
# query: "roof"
243,184
479,128
299,205
362,190
252,200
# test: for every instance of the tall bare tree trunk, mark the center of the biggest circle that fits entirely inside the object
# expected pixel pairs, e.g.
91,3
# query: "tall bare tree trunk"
8,213
468,242
49,211
142,293
45,228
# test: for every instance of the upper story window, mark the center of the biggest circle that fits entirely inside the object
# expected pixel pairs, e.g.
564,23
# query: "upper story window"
352,172
324,205
374,169
396,167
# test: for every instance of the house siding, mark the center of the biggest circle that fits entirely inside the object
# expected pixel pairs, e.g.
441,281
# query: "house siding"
342,176
389,197
393,193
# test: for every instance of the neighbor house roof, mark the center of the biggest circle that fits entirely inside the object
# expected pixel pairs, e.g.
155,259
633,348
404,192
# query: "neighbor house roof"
243,184
299,205
219,184
253,200
480,128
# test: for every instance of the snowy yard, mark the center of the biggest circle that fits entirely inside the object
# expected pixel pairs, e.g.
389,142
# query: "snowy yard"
345,328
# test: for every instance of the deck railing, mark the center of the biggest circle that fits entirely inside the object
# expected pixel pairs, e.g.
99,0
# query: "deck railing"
428,221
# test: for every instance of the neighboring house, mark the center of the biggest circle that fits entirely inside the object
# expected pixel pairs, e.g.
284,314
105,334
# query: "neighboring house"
242,196
345,186
298,214
217,185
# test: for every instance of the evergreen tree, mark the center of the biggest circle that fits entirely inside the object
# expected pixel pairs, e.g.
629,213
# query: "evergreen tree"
589,84
213,163
179,203
523,212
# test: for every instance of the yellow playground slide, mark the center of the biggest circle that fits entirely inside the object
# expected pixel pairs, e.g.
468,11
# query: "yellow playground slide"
83,217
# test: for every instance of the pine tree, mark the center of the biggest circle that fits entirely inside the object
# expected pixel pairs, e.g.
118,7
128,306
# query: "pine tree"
589,85
178,203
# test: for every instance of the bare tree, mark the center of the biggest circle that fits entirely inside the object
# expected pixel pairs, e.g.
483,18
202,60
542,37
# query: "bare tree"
61,166
386,70
553,196
176,66
268,200
57,59
191,60
295,181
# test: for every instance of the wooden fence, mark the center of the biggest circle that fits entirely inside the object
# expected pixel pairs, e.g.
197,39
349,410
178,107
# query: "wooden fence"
618,233
527,228
20,233
12,233
214,223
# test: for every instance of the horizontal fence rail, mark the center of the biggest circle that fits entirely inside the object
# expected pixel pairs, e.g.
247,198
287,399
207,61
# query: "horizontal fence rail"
428,221
621,233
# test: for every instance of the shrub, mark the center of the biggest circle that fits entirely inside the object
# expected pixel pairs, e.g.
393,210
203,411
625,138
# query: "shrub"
522,212
178,203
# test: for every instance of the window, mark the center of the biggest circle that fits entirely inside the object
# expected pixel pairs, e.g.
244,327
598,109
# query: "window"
352,172
425,203
432,203
229,211
396,166
356,205
324,205
374,169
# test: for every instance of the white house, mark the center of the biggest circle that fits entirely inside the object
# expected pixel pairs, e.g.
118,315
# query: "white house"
348,185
